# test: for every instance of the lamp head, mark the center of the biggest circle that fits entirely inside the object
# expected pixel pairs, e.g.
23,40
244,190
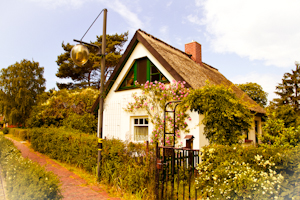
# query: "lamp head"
80,54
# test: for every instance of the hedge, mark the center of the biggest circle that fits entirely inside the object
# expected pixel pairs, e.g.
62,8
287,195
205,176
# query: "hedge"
124,165
23,134
25,179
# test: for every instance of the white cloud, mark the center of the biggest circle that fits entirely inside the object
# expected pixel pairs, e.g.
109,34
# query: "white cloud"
60,3
164,34
267,81
260,30
164,30
131,18
194,19
169,3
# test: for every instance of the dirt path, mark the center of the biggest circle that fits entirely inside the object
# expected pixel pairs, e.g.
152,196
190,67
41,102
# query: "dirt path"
73,187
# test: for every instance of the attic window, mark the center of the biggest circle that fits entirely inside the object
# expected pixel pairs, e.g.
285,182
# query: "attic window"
143,70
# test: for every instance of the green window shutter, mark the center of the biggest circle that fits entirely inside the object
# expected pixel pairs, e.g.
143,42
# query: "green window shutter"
142,70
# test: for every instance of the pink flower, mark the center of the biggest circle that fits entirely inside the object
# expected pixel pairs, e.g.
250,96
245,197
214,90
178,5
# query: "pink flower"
155,135
190,119
151,141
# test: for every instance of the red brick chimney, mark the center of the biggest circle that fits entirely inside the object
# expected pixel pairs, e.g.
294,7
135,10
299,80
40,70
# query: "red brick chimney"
194,48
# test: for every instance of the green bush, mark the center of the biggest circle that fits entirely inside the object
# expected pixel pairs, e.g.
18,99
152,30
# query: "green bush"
25,179
86,123
23,134
67,145
124,165
276,134
5,130
249,172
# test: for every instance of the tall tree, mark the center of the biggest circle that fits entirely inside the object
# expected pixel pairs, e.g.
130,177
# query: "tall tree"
289,90
89,75
255,92
20,84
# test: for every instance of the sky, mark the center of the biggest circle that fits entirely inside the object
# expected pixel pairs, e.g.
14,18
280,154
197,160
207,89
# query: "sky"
247,41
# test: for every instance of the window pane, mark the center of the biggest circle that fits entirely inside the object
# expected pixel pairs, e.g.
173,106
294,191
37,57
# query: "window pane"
146,120
140,133
141,121
129,82
155,77
136,121
154,70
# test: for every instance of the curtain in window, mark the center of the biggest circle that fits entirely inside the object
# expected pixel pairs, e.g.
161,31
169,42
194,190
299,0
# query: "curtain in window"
140,133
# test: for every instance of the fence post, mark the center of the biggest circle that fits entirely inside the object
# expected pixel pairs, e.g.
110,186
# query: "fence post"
156,172
147,148
173,173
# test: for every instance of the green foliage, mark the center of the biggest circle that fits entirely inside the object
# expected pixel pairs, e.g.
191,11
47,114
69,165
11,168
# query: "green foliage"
255,92
285,112
20,85
88,75
5,130
24,178
226,117
153,99
124,165
276,134
66,107
239,172
86,123
23,134
289,90
67,145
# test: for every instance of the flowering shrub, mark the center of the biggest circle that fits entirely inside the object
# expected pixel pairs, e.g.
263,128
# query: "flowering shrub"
154,97
238,173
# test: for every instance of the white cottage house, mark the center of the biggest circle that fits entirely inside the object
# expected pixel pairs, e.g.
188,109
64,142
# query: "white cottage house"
148,58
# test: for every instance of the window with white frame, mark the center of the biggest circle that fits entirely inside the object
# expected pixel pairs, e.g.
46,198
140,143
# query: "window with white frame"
140,129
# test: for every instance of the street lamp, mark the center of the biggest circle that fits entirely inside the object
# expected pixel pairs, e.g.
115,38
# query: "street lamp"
79,55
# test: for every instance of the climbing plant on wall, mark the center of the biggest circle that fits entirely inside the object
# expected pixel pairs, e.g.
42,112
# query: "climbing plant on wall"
153,99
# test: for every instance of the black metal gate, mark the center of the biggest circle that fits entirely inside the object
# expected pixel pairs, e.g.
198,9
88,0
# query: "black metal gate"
176,173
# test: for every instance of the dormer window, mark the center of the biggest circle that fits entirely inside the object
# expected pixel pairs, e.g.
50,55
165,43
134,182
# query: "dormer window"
143,70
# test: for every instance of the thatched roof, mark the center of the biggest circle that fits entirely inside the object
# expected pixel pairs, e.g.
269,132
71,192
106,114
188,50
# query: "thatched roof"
180,65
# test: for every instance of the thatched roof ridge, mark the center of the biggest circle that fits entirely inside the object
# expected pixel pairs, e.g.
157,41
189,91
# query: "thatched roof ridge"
195,74
180,65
